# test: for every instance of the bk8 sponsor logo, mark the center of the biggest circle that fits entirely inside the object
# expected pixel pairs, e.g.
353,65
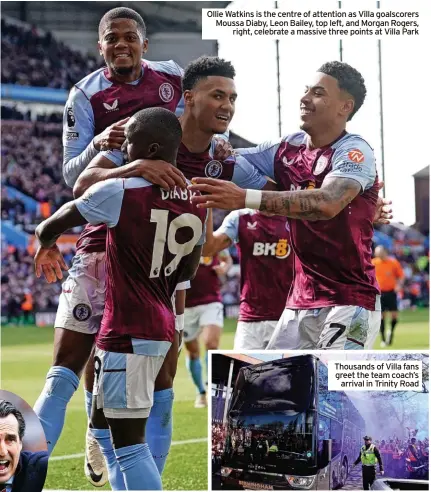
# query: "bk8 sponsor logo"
280,250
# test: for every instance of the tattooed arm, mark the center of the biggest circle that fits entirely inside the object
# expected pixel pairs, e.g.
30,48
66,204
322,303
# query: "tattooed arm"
322,204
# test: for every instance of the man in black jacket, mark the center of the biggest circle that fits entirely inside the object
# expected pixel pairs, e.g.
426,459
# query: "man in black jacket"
20,471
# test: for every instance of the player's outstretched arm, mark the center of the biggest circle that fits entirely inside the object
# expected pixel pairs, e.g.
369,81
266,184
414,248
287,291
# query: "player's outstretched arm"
48,259
66,217
321,204
214,242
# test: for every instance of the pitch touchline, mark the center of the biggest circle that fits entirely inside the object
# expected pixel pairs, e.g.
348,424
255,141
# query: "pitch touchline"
81,455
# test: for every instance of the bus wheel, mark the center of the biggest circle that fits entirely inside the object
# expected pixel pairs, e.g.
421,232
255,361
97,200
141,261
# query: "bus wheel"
343,473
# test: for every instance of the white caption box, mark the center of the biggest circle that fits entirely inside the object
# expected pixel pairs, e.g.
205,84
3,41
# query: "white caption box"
404,375
309,19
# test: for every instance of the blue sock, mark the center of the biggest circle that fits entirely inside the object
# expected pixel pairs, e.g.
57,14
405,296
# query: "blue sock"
195,368
51,405
158,431
138,468
88,402
116,478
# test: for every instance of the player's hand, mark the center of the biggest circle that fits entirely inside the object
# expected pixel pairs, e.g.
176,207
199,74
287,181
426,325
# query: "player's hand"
161,173
223,149
382,472
218,194
383,212
49,261
112,137
221,269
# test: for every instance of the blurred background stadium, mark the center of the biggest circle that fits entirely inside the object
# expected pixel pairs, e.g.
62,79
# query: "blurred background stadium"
46,48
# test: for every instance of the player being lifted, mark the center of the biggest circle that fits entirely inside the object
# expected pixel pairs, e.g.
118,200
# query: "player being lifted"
331,193
210,99
94,118
153,243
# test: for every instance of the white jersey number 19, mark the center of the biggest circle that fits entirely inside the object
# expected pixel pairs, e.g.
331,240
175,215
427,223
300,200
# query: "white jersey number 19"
175,248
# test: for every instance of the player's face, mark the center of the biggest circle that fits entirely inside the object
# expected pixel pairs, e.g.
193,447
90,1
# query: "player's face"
122,46
323,104
10,447
212,102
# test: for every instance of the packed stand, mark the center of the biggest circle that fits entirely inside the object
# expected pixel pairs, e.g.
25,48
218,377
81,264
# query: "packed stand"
22,293
31,161
13,209
39,60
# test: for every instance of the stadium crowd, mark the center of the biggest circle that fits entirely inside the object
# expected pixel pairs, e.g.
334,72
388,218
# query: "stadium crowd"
39,60
32,151
31,161
22,293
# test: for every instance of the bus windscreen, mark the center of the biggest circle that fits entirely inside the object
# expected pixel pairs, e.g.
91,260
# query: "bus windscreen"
277,386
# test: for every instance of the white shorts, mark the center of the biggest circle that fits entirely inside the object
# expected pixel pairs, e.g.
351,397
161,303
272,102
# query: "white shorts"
197,317
82,299
253,335
335,328
124,383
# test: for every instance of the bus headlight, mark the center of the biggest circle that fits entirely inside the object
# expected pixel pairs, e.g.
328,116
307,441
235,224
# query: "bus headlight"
225,471
300,482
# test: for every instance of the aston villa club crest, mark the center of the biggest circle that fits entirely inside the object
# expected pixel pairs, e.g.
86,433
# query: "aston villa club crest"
213,169
166,92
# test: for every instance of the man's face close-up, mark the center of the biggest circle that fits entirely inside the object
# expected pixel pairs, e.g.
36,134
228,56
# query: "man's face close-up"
10,447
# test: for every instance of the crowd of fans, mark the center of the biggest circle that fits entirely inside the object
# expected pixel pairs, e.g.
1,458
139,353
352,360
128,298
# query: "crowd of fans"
12,113
401,456
40,60
31,161
22,293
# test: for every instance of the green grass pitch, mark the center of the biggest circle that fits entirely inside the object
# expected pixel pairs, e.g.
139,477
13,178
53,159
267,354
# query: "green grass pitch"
26,357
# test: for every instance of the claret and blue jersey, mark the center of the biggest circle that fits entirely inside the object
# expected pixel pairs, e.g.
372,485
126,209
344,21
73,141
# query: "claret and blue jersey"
332,257
150,234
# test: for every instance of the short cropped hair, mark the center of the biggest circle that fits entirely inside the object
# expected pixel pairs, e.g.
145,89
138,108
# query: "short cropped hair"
349,80
158,125
205,66
6,409
122,13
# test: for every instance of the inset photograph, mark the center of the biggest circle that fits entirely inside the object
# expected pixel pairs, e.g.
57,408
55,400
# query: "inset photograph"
23,447
321,421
